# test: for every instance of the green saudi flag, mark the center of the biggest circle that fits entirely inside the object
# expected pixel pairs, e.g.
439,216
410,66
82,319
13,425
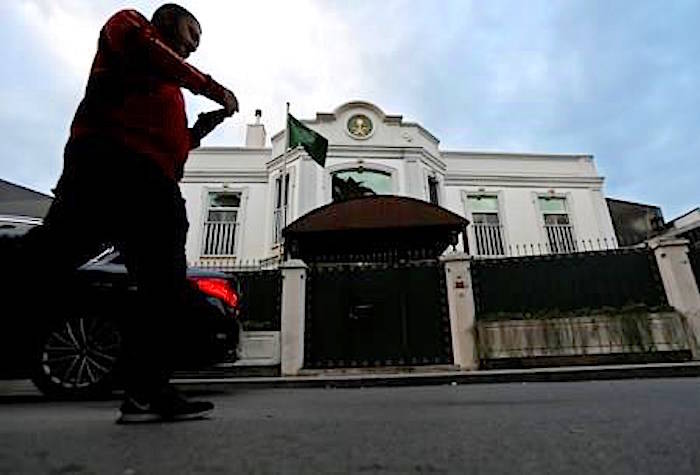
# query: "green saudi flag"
315,144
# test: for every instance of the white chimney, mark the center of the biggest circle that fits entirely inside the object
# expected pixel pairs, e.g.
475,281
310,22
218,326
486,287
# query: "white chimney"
255,133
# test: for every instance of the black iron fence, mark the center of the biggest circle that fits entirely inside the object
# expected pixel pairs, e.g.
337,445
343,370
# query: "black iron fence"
233,264
556,285
259,284
496,248
261,299
377,256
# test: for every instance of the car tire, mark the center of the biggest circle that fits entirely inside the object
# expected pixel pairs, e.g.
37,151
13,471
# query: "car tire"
78,357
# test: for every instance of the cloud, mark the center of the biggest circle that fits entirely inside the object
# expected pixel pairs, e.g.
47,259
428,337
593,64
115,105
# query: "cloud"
269,53
615,79
68,28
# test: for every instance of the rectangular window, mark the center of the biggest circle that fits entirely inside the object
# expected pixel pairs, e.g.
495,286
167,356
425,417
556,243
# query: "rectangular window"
280,217
486,225
219,236
433,190
557,226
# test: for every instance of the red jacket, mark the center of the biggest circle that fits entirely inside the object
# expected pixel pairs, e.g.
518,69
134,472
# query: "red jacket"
133,94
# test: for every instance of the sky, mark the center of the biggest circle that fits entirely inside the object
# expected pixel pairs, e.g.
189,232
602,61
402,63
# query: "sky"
619,80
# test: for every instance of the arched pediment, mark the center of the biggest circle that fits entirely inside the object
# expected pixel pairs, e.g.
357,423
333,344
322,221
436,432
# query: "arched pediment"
359,105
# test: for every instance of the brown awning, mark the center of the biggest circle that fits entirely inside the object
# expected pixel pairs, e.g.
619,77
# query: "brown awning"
376,212
372,228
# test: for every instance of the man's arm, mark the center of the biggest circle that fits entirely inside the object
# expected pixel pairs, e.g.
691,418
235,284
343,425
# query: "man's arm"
130,34
206,122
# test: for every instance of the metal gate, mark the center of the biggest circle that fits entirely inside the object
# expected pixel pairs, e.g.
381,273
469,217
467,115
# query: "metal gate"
361,315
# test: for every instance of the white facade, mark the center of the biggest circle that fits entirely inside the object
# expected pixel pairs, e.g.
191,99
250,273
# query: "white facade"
512,199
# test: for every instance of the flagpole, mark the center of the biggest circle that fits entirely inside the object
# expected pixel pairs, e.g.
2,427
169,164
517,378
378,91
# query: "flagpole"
283,185
285,198
286,130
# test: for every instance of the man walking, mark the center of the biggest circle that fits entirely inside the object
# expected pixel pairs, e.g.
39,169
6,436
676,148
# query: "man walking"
126,152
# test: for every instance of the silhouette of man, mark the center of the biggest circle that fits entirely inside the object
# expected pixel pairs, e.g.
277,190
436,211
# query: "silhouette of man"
128,144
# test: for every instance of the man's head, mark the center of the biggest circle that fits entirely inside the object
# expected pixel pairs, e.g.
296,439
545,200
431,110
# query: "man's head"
179,28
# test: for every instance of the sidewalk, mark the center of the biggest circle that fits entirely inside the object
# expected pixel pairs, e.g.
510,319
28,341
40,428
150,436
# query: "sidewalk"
419,376
446,376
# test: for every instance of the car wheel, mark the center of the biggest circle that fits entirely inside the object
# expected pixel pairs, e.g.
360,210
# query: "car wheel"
78,357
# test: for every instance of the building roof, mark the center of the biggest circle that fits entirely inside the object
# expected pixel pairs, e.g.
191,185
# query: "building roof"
633,203
684,215
16,200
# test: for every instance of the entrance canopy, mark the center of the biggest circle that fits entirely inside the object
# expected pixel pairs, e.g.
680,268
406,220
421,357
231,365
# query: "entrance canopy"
373,228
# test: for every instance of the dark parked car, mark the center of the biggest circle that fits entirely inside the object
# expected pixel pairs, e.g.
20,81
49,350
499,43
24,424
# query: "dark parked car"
77,352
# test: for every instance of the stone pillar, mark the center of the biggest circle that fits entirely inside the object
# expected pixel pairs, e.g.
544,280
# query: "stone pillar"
293,315
679,283
460,299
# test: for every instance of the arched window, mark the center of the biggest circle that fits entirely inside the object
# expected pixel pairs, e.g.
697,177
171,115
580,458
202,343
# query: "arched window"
360,182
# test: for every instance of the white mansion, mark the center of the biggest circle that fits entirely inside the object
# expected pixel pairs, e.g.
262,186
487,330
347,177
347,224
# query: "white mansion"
516,202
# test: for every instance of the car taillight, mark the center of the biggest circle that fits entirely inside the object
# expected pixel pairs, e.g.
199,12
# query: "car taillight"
219,288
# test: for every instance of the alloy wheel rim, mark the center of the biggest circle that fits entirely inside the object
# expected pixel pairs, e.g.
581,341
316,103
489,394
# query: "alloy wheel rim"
81,352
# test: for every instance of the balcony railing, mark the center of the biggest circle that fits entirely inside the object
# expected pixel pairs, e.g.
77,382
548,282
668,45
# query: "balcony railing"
219,238
489,239
560,238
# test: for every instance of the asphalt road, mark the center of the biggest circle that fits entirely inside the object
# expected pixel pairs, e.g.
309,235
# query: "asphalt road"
631,426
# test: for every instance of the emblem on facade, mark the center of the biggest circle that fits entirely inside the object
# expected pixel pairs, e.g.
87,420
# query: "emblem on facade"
360,126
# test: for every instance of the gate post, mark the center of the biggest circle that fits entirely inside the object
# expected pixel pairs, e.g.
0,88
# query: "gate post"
293,315
679,283
460,300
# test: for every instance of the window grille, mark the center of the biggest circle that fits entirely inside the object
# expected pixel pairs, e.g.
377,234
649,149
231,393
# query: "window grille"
219,236
557,226
486,226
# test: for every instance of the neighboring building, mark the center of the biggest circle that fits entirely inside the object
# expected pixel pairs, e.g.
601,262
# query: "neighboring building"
517,203
687,226
634,223
21,208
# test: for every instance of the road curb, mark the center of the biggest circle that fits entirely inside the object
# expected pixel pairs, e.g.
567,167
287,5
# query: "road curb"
567,374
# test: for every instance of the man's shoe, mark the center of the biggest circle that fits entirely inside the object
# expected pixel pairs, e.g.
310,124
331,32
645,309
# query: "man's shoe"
168,406
133,411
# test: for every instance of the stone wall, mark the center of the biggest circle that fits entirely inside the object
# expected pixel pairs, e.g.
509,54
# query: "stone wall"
592,335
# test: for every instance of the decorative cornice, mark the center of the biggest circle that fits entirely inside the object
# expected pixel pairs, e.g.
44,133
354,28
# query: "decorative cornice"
386,153
292,155
225,150
453,154
468,179
274,137
221,175
423,131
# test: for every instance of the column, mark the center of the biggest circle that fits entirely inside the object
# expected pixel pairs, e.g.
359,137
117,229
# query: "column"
460,299
293,315
679,283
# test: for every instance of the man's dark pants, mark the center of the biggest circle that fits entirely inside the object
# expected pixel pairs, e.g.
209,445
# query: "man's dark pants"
108,194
